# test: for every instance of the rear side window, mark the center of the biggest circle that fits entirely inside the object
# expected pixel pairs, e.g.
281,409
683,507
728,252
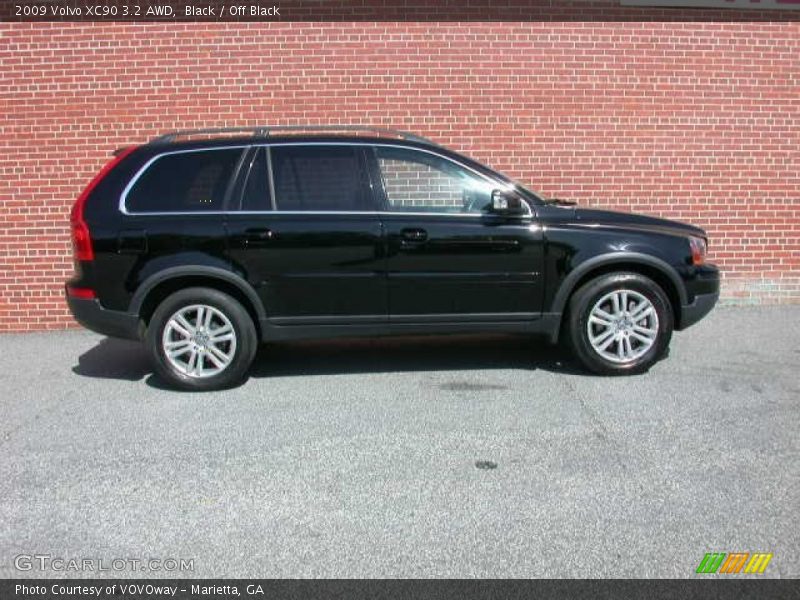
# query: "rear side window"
184,182
319,178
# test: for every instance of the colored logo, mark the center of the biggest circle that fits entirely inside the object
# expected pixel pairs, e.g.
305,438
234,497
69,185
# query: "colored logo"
720,562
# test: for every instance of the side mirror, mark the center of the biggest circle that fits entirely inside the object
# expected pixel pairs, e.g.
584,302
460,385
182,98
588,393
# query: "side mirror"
507,203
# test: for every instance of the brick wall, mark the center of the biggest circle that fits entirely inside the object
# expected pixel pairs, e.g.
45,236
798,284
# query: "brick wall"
415,185
692,121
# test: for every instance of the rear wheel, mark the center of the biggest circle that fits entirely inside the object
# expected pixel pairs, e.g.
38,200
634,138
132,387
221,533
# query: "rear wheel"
201,339
620,323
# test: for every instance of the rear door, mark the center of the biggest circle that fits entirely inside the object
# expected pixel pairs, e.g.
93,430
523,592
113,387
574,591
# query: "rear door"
307,237
449,258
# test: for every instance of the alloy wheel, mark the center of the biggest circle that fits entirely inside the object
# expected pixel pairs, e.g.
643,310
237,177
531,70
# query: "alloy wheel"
622,326
199,341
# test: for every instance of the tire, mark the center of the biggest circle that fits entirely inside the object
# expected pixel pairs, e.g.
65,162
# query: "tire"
595,340
223,345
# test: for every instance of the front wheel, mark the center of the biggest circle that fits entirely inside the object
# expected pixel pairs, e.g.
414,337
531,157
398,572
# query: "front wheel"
201,339
620,323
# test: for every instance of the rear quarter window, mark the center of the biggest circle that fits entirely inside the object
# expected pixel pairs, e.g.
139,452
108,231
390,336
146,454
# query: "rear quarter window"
193,181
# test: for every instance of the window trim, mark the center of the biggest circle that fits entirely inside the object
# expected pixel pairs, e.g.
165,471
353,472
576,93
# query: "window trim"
243,178
273,201
235,193
380,202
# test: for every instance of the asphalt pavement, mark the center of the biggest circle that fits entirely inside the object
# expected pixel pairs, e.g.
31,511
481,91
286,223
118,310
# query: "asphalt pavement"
479,456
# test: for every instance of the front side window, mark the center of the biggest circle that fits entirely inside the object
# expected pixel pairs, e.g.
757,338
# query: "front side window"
421,182
184,182
319,178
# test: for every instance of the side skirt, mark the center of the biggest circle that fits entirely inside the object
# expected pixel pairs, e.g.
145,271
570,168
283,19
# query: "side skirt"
546,325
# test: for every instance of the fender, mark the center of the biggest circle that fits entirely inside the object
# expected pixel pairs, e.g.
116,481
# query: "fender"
196,270
564,291
571,280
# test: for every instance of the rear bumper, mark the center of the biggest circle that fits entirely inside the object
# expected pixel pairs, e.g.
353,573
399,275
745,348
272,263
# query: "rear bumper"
92,315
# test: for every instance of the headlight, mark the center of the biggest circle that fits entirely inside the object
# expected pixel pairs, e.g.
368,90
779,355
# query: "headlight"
699,249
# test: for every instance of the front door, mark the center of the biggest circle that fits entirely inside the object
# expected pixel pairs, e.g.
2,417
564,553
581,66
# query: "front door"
449,259
307,237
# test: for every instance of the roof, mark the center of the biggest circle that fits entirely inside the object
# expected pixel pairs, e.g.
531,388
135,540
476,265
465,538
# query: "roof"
272,133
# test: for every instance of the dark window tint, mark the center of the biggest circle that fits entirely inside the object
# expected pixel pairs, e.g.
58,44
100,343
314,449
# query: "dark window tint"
184,182
255,195
318,178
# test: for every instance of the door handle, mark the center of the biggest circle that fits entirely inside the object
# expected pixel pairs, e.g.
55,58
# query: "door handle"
258,235
414,235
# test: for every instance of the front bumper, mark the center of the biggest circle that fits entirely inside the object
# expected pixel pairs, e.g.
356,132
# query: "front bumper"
706,288
702,305
113,323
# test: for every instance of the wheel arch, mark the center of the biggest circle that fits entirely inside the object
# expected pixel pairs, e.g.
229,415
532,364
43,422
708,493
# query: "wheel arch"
649,266
157,287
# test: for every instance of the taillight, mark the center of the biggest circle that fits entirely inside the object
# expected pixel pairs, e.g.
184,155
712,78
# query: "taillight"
699,249
81,239
79,292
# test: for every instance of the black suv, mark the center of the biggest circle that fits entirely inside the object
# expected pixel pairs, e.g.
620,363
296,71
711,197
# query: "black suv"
204,247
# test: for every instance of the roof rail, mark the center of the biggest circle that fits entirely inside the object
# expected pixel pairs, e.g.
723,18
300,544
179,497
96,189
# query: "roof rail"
267,131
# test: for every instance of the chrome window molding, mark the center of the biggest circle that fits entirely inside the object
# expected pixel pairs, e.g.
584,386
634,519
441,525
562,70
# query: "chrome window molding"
273,202
124,196
279,213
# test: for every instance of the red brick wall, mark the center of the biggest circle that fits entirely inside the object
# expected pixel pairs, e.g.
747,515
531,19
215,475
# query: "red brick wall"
692,121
